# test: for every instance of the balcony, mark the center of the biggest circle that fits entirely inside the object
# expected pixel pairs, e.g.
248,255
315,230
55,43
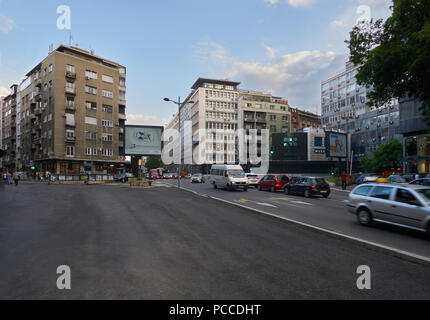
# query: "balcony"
121,130
70,90
70,139
37,111
249,119
70,75
121,144
70,107
260,120
122,116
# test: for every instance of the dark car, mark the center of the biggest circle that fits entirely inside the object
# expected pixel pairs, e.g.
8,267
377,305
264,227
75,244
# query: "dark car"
308,187
123,177
273,182
422,182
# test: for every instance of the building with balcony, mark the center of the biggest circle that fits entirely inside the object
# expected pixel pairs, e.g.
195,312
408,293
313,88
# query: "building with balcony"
344,108
301,119
72,113
9,130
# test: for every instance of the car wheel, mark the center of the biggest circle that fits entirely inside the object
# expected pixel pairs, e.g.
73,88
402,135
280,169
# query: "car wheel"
307,194
215,186
326,196
364,217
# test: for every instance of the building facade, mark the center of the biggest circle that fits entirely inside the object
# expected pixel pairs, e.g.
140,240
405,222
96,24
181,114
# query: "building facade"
344,108
415,137
70,115
301,119
9,132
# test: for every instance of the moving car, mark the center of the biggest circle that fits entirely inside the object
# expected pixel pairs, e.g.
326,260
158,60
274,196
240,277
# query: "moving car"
197,178
422,182
253,179
308,187
166,176
367,178
406,206
230,177
123,178
400,178
273,182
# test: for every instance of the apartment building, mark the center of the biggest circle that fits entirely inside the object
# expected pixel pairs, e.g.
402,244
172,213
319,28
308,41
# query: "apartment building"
9,132
72,113
301,119
260,111
344,108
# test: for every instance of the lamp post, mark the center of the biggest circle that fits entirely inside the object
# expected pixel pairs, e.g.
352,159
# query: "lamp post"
179,104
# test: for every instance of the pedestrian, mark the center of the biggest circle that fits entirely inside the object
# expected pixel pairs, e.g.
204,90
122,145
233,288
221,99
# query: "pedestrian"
8,178
16,178
417,176
343,177
4,178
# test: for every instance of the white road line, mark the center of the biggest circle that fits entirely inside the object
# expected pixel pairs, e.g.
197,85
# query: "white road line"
266,204
301,202
371,243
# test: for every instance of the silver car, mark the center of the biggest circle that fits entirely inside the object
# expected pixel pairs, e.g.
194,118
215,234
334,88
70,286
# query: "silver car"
406,206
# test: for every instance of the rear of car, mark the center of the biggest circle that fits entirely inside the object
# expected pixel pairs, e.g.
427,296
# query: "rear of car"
399,205
253,179
308,187
273,182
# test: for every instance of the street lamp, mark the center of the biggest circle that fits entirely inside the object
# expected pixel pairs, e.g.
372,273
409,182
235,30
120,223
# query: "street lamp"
179,104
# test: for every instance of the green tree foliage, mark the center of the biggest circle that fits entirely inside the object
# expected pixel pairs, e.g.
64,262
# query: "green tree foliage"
386,157
395,55
153,163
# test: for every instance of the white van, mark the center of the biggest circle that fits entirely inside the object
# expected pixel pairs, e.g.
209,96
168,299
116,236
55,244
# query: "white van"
229,177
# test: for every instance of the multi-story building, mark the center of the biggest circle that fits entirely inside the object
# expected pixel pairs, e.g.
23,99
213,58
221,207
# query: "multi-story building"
72,113
344,108
416,137
9,132
301,119
260,111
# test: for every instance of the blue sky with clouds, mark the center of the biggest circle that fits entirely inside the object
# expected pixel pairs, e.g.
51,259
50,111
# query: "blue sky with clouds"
285,47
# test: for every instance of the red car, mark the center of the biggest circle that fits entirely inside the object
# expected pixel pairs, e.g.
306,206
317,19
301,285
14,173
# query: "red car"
273,182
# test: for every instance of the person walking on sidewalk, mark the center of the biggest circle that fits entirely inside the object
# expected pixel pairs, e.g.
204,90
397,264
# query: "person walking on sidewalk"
344,177
16,178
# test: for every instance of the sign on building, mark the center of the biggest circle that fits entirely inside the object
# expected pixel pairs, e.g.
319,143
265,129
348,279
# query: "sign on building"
336,144
143,140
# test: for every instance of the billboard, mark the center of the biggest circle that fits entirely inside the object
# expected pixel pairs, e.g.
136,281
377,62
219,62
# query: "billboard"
143,140
336,145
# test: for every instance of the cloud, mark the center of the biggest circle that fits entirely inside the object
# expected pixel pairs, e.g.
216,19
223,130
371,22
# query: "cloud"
294,3
140,119
270,52
211,51
4,91
6,24
338,23
295,76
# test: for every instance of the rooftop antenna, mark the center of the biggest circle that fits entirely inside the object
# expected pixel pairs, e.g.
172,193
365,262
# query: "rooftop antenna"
70,39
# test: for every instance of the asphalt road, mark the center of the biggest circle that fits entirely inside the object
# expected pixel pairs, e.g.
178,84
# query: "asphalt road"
164,243
330,214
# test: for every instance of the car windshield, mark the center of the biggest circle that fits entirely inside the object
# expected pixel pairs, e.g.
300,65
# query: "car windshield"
236,173
197,176
320,181
425,193
252,176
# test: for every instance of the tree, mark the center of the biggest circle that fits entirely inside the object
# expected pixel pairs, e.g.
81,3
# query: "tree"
386,157
395,55
153,163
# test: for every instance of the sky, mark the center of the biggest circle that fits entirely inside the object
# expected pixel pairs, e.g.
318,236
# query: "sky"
283,47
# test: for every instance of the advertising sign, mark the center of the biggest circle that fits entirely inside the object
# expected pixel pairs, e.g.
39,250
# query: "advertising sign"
143,140
336,145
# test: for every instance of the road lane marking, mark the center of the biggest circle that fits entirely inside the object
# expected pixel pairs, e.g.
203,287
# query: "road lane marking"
301,202
242,201
266,204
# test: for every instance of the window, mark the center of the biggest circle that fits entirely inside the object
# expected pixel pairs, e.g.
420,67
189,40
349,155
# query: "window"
122,82
107,123
70,151
90,151
107,108
107,94
70,119
70,68
404,196
107,152
381,193
51,68
70,133
318,141
91,105
273,117
363,191
90,75
107,137
121,95
90,135
91,90
107,79
90,120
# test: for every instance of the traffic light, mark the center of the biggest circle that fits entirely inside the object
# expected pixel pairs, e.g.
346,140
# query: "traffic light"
272,151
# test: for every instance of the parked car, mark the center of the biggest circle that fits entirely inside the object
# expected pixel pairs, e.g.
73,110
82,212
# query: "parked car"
175,176
406,206
253,179
400,178
273,182
123,178
166,176
422,182
188,176
230,177
197,178
308,187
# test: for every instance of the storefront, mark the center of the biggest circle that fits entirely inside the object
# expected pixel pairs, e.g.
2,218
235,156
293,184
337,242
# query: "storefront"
417,154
